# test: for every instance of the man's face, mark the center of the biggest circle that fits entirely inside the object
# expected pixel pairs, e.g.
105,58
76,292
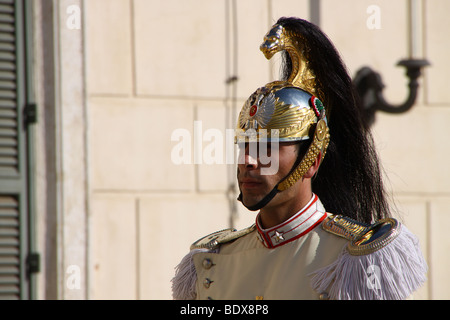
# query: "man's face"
253,183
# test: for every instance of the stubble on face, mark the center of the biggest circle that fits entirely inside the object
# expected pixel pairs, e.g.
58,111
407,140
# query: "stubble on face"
254,185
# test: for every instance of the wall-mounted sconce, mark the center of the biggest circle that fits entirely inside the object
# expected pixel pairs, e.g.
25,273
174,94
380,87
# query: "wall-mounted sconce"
369,86
368,83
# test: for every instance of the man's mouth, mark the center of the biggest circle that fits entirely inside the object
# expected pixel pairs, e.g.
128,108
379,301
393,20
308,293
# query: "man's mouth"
249,183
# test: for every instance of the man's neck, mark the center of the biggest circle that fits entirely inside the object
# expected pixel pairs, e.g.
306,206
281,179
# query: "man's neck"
273,215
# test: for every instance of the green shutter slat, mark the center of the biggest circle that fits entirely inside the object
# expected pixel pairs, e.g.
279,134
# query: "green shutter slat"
10,260
7,46
8,142
7,104
7,66
4,8
9,85
10,224
9,76
7,56
6,18
7,39
6,28
9,238
8,162
8,213
8,146
8,132
9,292
8,94
6,111
9,248
8,152
11,270
8,123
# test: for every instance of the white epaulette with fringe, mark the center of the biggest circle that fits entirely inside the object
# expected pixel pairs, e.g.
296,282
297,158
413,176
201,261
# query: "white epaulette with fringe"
382,261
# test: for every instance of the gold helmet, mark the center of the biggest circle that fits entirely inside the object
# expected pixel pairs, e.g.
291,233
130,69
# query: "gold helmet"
286,110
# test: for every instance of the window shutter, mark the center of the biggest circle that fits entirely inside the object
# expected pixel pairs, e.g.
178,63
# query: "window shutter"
14,206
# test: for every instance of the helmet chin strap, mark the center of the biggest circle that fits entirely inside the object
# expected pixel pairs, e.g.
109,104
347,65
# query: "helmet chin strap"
263,202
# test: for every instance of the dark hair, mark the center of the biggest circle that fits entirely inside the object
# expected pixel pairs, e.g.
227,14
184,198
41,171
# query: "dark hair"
349,181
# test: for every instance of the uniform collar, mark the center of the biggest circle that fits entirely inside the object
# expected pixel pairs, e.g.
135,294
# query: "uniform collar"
295,227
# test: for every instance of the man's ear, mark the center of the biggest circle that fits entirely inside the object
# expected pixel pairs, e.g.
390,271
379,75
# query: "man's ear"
314,168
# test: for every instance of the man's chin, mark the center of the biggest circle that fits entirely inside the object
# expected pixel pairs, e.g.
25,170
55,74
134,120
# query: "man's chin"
250,202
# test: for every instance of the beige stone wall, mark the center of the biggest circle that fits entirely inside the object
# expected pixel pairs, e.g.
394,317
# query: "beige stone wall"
157,66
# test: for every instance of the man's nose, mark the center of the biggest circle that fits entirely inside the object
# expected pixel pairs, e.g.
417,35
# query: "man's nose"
250,158
251,161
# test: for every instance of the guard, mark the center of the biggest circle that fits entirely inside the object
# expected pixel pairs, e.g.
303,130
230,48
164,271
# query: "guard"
324,229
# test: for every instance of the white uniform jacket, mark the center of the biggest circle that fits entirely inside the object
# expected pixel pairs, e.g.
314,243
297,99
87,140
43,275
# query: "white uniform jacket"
313,255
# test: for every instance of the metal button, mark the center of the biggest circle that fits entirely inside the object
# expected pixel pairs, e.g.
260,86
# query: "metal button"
207,283
324,296
207,264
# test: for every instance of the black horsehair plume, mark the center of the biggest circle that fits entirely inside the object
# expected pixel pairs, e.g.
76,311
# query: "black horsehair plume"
349,181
